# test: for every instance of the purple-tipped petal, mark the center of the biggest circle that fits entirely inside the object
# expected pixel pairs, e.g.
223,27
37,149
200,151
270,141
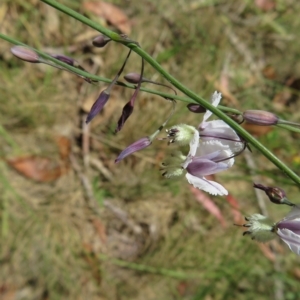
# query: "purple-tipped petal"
127,111
202,167
136,146
98,105
25,54
291,239
196,108
293,225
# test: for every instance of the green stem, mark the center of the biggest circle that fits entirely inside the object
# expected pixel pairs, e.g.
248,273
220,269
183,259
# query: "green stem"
289,127
116,37
107,80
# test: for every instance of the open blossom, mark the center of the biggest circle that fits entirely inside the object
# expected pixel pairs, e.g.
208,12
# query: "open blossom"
210,158
262,229
207,130
288,229
212,148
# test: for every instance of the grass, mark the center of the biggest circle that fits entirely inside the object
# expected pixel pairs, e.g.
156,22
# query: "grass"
143,237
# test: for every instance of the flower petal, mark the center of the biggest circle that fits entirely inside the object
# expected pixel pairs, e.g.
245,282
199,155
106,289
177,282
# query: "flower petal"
201,167
215,100
291,239
208,186
98,105
136,146
194,143
294,214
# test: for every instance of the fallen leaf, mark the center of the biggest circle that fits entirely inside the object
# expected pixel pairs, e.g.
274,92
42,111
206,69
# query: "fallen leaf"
296,273
265,5
222,85
208,204
268,253
64,147
237,216
111,13
40,169
98,225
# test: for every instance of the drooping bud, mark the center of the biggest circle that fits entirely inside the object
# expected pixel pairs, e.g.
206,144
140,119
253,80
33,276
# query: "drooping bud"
127,111
25,54
100,41
136,146
98,105
128,108
67,60
196,108
275,194
133,78
260,117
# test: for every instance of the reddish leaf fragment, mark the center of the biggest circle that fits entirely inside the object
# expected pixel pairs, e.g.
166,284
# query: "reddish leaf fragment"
237,216
40,169
208,204
265,5
110,13
100,228
64,147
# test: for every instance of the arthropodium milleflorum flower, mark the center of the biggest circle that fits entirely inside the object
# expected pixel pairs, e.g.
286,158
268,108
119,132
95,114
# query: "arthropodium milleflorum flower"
262,229
212,148
210,158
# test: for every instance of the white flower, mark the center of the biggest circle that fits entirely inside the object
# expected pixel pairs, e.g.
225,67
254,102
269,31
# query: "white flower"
263,229
212,148
288,229
218,129
211,157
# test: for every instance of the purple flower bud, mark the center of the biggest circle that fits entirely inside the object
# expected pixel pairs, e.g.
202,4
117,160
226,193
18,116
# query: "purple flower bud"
136,146
260,117
25,54
133,78
67,60
196,108
100,41
275,194
127,111
98,105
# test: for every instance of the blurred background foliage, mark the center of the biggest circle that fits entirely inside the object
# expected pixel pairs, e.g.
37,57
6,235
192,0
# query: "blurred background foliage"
74,225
